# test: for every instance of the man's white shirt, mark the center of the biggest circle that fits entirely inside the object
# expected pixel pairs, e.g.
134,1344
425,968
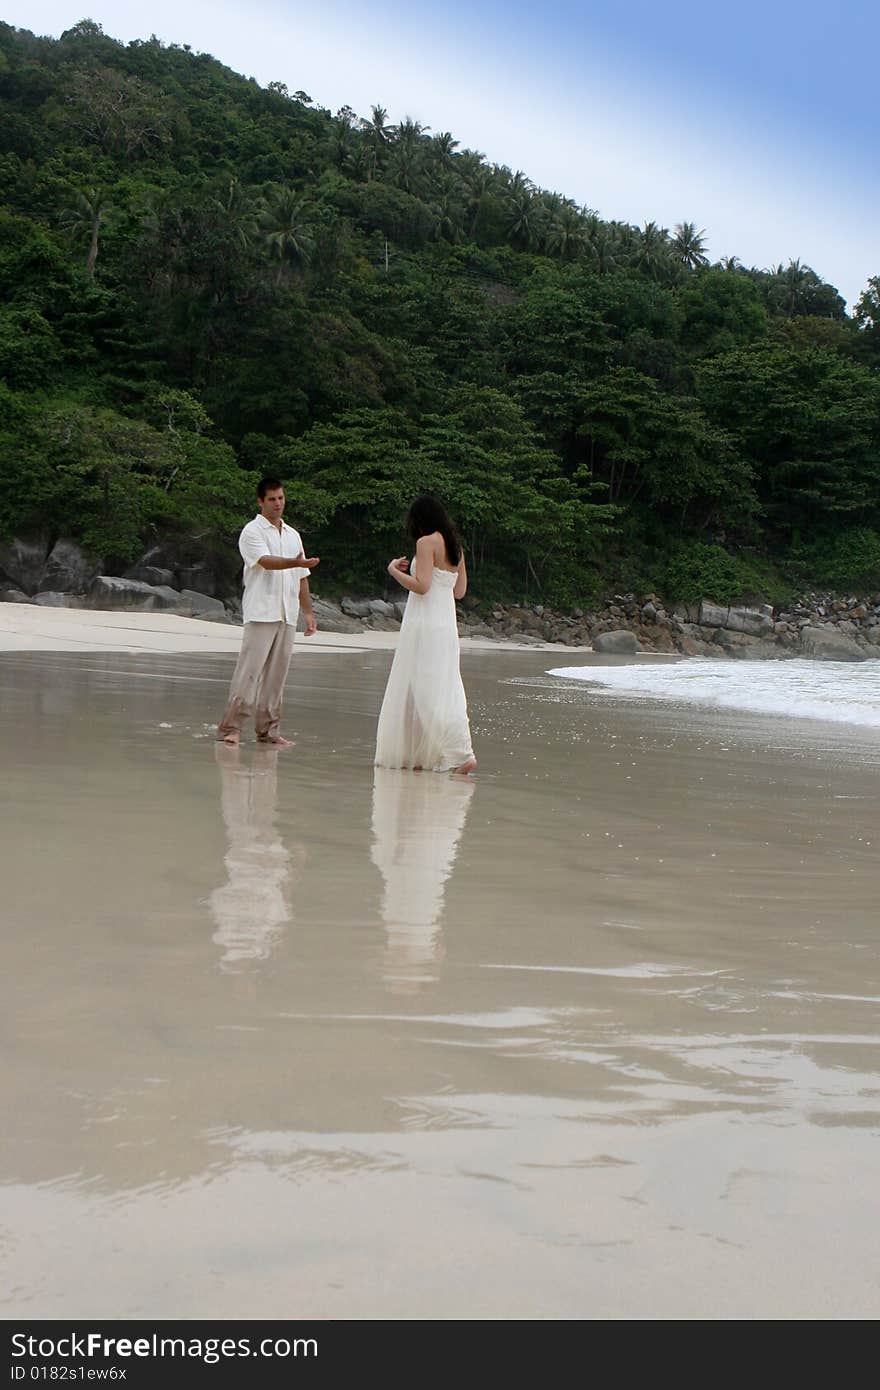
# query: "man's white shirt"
270,596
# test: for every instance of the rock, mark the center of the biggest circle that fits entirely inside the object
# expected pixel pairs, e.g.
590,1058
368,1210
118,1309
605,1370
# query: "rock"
873,636
661,640
151,574
691,646
109,591
213,610
14,596
356,608
168,600
330,618
55,599
379,607
620,642
67,569
199,577
22,561
649,612
687,612
824,644
753,621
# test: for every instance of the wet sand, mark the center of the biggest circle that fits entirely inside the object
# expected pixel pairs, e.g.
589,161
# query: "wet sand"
595,1036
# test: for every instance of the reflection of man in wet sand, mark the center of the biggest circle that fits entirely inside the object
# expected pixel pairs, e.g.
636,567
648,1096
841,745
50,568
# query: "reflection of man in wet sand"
253,906
417,824
276,586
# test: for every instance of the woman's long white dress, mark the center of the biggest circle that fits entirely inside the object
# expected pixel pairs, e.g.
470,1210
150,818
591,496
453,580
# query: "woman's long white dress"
424,720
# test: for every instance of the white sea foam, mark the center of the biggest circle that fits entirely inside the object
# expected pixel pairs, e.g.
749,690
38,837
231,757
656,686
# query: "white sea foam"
833,691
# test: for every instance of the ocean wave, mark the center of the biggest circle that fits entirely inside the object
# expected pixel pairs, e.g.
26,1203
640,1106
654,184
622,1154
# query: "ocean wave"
830,691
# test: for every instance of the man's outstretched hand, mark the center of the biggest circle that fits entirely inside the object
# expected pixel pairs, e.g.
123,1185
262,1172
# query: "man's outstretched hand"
307,564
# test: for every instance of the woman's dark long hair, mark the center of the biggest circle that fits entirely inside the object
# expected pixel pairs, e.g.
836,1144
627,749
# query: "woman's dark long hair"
427,515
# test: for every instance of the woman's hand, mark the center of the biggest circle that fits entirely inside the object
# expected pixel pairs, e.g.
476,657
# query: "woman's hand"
398,566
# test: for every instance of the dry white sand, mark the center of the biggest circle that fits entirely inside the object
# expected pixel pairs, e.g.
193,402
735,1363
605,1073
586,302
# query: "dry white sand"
28,627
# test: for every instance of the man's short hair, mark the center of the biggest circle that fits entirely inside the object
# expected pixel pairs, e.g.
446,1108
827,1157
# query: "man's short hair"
268,484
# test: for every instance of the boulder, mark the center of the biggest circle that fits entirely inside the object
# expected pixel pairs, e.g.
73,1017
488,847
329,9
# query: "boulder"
67,569
356,607
109,591
50,599
198,577
379,607
824,644
620,642
170,600
687,612
330,618
22,561
202,606
14,596
755,622
151,574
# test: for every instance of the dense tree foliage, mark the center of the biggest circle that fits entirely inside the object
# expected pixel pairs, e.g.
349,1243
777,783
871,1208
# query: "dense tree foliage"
201,279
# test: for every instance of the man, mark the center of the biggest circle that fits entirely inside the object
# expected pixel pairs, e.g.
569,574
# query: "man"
276,586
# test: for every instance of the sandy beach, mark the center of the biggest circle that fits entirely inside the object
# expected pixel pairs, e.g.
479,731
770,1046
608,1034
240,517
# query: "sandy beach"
594,1035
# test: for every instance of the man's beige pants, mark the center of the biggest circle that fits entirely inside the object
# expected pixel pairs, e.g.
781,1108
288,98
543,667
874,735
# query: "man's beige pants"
258,680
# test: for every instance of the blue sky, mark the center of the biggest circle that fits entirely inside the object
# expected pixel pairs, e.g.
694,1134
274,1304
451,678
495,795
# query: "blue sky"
758,122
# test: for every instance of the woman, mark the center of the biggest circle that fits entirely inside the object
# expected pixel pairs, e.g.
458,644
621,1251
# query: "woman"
423,722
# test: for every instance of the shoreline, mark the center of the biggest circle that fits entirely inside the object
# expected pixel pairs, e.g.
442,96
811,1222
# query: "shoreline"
25,627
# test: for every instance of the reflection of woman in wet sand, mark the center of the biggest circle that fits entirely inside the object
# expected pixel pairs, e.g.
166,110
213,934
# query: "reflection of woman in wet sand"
417,824
423,722
252,906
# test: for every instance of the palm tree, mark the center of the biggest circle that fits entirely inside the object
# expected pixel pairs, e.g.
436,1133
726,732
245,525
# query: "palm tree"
286,229
795,280
378,135
240,212
689,245
405,167
652,255
478,183
731,263
444,147
522,217
407,158
446,203
88,212
342,138
566,234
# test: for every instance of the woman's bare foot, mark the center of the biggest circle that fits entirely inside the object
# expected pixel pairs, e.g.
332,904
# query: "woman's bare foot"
278,742
231,740
466,768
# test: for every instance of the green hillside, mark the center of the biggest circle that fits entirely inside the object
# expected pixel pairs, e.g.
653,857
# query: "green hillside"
202,280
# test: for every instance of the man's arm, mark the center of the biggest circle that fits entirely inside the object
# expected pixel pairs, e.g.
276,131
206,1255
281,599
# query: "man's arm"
308,612
281,562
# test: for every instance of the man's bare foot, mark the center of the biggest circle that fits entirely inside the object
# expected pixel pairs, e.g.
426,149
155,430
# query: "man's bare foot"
466,768
278,742
231,740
